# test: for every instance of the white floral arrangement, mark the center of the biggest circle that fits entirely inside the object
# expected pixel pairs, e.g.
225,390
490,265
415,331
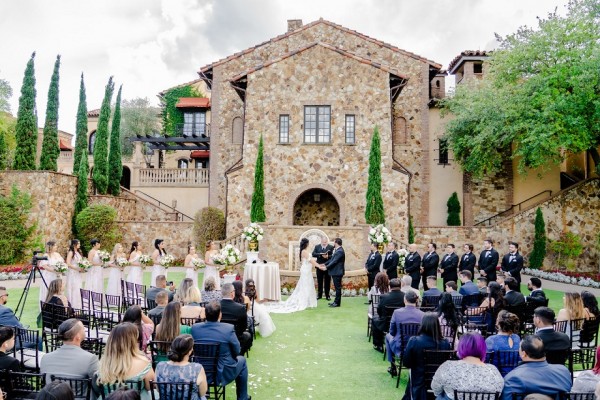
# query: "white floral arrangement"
230,254
380,234
167,260
84,265
104,256
254,232
197,264
558,277
402,253
61,268
122,262
145,260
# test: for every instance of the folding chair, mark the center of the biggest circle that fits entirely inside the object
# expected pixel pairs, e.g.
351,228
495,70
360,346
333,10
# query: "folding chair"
207,354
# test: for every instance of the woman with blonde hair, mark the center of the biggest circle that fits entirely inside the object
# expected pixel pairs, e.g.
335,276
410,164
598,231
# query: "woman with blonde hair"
115,271
182,292
56,294
573,310
123,361
190,270
47,268
212,249
192,308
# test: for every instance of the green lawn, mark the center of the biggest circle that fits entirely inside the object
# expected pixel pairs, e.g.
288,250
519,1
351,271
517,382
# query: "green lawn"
315,354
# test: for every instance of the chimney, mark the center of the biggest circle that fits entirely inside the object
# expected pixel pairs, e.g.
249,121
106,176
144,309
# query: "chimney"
294,24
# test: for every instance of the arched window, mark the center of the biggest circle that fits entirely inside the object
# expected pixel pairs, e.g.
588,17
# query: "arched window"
399,135
182,163
237,130
91,142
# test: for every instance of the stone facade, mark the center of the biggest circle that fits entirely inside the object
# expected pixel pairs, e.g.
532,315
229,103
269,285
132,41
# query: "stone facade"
323,212
177,235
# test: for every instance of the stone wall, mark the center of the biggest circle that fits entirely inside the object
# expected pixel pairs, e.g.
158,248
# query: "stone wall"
126,208
176,235
53,196
491,195
324,212
144,210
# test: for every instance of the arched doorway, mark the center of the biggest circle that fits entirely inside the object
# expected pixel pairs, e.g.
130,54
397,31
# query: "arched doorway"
126,178
316,207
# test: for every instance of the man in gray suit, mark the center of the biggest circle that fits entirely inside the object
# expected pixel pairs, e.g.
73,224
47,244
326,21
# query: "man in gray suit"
70,360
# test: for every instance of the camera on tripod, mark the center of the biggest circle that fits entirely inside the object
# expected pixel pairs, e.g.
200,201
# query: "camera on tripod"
36,258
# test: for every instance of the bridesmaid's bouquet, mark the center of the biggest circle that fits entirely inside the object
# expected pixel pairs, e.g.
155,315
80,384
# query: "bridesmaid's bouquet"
104,256
380,234
197,264
61,268
122,262
253,232
167,260
84,265
145,260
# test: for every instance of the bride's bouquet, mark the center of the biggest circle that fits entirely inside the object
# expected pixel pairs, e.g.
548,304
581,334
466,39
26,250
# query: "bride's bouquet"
197,264
61,268
104,256
253,232
84,265
167,260
145,260
122,262
380,234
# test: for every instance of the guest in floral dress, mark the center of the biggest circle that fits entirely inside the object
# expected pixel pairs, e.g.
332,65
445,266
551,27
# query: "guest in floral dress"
94,280
74,274
210,292
180,369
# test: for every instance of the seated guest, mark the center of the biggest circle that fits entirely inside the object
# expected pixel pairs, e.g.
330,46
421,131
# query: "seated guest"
7,316
210,292
179,368
124,393
494,298
591,303
482,283
432,284
162,299
451,288
429,338
409,314
406,287
191,307
183,290
573,310
236,313
470,373
395,298
467,286
239,296
513,297
170,324
262,319
56,294
448,316
144,324
556,343
161,286
506,337
381,285
56,390
232,366
535,375
123,361
537,295
7,342
586,381
70,359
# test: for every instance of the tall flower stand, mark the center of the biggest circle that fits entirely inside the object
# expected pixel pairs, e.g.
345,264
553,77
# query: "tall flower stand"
251,256
229,278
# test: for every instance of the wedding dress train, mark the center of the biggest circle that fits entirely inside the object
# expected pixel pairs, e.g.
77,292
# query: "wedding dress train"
304,295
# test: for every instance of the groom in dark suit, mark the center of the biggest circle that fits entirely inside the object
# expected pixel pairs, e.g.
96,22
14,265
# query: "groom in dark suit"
335,267
323,253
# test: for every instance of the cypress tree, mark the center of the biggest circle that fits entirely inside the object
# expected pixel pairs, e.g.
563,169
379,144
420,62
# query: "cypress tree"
80,129
115,166
26,130
3,152
536,259
81,200
50,146
374,213
257,209
453,205
411,231
100,175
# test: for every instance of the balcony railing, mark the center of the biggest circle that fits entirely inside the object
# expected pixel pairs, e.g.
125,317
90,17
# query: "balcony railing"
173,177
66,156
193,129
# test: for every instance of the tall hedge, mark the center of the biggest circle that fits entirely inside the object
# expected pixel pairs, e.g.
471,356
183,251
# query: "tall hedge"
115,166
257,208
411,230
536,258
26,129
81,202
209,224
3,153
50,145
374,212
100,175
17,236
80,128
453,205
98,221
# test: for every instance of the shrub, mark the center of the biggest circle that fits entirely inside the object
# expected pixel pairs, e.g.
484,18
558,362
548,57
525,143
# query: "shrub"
98,221
411,230
453,205
209,224
17,235
568,246
536,259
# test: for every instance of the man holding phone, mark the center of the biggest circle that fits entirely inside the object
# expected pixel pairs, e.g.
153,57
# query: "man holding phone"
161,285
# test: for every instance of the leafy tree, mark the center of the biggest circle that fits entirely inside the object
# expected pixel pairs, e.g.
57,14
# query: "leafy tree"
81,201
7,131
3,153
98,221
374,213
138,117
115,166
100,175
453,205
5,94
171,115
26,129
50,147
257,209
17,236
567,246
540,99
80,129
536,259
209,224
411,231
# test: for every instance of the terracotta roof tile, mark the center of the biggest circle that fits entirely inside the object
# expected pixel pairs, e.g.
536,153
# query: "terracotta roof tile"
162,93
94,113
200,154
193,102
467,53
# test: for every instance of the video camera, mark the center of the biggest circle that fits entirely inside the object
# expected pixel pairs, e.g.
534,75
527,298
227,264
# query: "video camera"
36,258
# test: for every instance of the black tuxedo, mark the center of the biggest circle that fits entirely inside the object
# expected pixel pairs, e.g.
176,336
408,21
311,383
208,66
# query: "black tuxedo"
553,342
395,298
236,313
449,267
488,261
514,298
390,264
513,265
335,267
322,276
467,262
430,265
372,266
537,297
412,266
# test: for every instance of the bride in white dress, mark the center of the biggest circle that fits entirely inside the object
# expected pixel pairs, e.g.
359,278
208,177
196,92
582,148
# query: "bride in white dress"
304,295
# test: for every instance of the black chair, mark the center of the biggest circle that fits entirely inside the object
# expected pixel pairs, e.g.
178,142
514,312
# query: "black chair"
476,395
82,388
560,326
389,312
172,390
505,360
105,321
471,300
85,299
432,359
457,300
579,396
449,333
53,315
24,385
192,321
150,304
131,301
430,301
29,356
557,356
93,345
97,301
583,345
113,303
406,332
106,390
373,303
207,354
158,351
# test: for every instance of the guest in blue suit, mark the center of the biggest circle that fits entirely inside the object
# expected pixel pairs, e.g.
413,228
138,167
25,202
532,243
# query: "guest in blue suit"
7,316
232,366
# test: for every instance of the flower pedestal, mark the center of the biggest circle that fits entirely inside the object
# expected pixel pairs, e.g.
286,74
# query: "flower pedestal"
251,256
229,278
380,248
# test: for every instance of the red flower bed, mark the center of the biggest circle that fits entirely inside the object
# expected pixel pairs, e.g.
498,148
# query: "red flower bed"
22,268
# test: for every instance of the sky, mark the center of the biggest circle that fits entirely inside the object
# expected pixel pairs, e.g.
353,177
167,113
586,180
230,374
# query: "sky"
151,45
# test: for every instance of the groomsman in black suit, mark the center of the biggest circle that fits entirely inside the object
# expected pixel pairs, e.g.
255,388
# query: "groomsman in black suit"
488,261
323,253
372,265
412,265
429,265
449,265
336,268
390,262
512,263
468,260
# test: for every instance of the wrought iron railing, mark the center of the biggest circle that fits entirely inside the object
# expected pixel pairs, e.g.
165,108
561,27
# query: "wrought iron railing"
193,129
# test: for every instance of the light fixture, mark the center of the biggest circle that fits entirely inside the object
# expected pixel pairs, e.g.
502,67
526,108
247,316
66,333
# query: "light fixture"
148,157
317,197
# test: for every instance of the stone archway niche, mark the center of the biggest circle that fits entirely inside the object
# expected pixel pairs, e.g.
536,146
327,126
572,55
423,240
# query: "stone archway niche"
316,207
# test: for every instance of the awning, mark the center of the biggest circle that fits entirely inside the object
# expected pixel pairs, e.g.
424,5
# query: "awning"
200,154
193,102
64,145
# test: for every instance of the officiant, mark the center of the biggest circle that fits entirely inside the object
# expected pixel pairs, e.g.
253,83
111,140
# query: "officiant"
323,252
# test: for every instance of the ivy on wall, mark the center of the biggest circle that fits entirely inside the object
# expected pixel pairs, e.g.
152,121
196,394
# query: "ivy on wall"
171,115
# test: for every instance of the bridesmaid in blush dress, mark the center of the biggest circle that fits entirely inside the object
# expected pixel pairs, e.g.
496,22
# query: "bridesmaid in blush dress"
48,272
95,276
74,274
159,252
211,269
115,271
190,271
136,272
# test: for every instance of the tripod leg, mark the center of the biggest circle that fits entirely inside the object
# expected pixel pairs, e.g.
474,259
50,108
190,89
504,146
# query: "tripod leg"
23,299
